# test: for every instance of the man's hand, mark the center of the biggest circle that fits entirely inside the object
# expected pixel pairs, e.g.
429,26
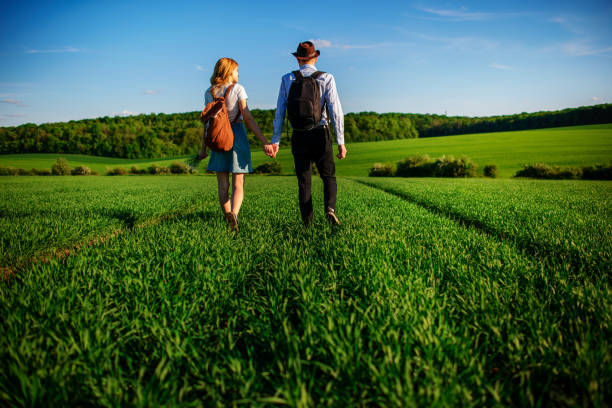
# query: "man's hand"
274,150
203,154
341,152
269,149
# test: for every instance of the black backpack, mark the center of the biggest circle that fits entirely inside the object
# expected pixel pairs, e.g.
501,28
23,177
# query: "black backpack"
304,101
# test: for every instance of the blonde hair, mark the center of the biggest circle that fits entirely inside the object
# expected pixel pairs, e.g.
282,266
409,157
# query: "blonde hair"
224,68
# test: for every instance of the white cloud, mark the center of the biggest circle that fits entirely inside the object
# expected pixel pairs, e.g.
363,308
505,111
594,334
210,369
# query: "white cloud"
572,24
319,43
13,115
581,48
463,43
54,51
151,92
597,99
462,15
366,46
125,112
199,68
501,66
13,102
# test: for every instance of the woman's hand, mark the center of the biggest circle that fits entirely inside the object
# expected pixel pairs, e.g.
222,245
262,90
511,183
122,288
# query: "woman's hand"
203,154
269,150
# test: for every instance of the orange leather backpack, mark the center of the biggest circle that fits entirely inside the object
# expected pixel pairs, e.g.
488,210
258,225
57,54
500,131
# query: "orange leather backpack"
219,136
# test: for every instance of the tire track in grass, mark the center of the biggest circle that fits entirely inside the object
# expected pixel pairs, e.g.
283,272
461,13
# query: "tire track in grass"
571,258
128,219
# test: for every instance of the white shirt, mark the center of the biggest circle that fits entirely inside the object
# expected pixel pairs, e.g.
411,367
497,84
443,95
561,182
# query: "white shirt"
237,93
329,94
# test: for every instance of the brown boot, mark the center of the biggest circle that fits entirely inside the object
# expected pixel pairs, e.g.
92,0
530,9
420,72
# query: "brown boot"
232,221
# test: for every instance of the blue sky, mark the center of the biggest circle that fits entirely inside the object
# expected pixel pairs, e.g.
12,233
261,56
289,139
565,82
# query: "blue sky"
64,60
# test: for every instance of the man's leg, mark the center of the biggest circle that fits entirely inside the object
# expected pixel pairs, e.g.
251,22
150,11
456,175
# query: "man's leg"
327,170
303,170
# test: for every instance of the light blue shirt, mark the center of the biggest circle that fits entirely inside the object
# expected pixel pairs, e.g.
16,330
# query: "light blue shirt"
329,94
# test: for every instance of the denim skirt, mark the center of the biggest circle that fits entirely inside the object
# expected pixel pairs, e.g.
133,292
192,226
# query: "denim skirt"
237,160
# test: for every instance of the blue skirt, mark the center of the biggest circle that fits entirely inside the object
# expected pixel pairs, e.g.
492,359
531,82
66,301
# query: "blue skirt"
237,160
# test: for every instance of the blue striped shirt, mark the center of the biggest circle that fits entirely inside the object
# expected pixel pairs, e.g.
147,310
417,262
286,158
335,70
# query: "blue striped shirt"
329,94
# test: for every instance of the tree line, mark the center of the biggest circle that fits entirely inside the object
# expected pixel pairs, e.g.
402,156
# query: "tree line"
163,135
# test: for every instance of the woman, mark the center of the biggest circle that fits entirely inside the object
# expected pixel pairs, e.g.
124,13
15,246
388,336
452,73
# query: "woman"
238,160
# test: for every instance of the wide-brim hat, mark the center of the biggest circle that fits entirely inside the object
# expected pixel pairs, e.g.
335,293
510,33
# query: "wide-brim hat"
305,51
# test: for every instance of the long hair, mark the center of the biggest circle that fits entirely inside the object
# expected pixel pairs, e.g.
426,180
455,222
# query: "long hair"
224,68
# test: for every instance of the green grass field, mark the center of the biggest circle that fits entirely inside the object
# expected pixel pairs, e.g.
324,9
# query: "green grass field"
569,146
470,292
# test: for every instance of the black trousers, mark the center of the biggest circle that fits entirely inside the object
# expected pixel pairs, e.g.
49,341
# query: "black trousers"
314,146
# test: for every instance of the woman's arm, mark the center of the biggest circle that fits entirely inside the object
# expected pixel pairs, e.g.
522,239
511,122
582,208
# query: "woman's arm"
250,122
203,153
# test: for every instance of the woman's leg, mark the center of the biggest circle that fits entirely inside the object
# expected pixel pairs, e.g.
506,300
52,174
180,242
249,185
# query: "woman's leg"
223,186
237,191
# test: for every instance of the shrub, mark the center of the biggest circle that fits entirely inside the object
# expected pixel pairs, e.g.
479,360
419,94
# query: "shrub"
81,171
42,172
117,171
60,167
545,171
445,166
155,169
268,168
179,168
449,166
416,166
8,171
382,170
136,170
570,173
490,170
597,172
23,172
536,170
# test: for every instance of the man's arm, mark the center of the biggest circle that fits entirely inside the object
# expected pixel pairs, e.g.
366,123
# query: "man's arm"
336,116
279,118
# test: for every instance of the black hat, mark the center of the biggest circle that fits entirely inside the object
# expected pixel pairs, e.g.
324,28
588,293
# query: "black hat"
306,50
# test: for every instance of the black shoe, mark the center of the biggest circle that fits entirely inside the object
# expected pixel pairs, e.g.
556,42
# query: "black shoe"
331,217
307,220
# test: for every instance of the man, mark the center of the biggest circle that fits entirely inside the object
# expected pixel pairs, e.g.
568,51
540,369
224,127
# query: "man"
312,144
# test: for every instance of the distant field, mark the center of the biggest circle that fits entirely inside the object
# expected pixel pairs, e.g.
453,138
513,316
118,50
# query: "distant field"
568,146
130,291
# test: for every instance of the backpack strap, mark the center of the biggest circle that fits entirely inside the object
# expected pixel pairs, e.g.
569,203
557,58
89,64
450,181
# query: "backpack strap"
212,91
298,75
229,88
317,74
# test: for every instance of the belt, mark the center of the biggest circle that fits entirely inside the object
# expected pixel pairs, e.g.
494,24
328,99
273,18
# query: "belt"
324,126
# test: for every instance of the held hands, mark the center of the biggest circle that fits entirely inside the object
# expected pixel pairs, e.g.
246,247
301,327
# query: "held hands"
341,152
271,149
203,154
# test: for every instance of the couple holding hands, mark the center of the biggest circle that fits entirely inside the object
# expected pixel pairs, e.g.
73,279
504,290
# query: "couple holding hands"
302,93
